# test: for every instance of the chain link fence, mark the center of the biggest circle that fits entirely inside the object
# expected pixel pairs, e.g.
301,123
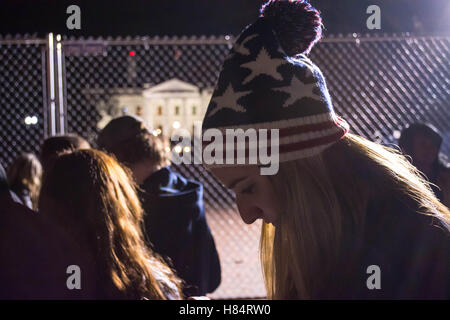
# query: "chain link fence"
22,96
381,84
378,84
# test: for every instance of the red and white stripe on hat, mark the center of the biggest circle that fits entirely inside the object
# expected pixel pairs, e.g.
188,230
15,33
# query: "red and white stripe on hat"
291,138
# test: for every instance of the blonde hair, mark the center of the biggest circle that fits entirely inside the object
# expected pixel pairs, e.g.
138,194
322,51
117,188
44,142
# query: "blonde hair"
326,198
26,173
91,193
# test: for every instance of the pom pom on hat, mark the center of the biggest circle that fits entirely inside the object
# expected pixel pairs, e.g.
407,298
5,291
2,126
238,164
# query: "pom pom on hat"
297,24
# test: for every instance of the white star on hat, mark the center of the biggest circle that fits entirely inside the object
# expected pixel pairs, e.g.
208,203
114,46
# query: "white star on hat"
241,48
228,100
298,90
263,64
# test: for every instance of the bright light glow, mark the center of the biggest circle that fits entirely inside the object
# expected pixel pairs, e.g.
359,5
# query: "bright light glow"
158,131
178,149
396,134
167,149
176,125
58,37
187,149
31,120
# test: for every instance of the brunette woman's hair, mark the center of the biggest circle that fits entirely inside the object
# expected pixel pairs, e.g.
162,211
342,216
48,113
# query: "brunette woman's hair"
91,195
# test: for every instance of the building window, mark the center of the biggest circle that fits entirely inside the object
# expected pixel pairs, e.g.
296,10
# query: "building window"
177,110
194,110
159,130
139,111
159,111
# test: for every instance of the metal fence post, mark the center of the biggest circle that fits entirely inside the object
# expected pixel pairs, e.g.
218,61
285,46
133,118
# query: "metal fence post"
56,106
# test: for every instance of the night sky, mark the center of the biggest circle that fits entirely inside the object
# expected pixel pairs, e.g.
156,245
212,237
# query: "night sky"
209,17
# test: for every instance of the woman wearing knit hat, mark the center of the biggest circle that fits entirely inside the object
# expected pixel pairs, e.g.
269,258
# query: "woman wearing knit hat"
343,217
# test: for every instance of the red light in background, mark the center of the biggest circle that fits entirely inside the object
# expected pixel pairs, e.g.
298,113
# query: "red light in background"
132,53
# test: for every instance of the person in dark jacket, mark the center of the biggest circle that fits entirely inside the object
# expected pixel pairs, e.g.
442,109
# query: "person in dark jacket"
422,142
175,220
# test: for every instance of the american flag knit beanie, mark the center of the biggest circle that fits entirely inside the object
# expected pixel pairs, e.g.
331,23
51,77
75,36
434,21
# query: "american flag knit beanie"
268,82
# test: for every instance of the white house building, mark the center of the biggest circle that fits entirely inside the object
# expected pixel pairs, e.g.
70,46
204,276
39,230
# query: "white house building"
165,107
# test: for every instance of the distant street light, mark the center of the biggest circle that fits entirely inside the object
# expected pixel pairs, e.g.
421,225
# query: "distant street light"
31,120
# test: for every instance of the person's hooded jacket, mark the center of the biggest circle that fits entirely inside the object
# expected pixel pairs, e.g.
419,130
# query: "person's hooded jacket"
177,229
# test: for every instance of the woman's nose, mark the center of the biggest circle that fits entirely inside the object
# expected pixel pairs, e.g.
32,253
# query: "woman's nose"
249,214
